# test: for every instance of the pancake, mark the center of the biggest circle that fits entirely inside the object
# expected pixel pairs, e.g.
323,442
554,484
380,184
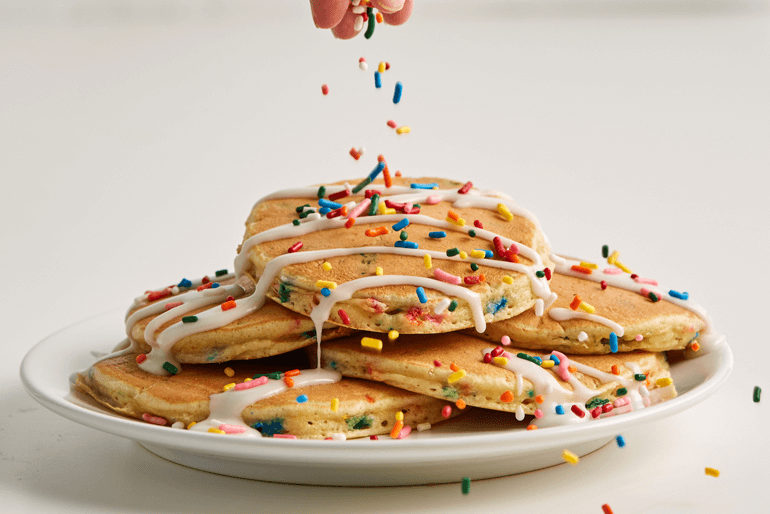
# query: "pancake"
270,330
424,364
646,325
365,408
291,257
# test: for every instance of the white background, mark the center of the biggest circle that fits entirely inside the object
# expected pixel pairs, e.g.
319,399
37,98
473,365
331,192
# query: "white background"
136,135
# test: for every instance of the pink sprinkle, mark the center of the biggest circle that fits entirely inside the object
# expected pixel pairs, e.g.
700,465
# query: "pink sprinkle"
514,249
642,280
362,60
358,209
645,292
507,355
506,341
171,305
639,337
563,365
284,436
404,432
447,277
612,271
538,413
231,429
392,124
433,199
646,401
624,409
437,363
446,411
251,383
155,420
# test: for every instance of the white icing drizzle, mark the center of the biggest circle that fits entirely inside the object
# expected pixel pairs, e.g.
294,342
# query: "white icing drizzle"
560,314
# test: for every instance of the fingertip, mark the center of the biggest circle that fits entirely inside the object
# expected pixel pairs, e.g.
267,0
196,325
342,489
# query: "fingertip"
388,6
328,13
346,29
400,17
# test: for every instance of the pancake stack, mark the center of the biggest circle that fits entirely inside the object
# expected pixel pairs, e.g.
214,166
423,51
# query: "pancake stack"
389,304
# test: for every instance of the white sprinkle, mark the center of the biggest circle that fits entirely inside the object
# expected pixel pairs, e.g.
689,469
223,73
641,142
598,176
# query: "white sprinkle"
363,65
355,2
442,305
643,391
359,24
422,427
358,9
519,413
539,307
178,424
582,336
338,437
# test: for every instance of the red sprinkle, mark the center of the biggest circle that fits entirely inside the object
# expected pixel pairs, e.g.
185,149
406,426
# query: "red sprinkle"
582,269
141,358
296,247
371,192
392,124
374,438
477,224
634,275
171,305
228,305
578,411
354,154
229,298
344,316
325,89
337,212
446,411
341,194
499,248
606,509
487,358
607,407
207,285
437,363
603,284
157,295
547,272
205,280
472,279
596,412
467,187
387,65
369,398
498,351
394,205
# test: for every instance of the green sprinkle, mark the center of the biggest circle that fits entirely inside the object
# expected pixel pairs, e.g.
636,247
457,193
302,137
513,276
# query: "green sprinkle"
303,215
416,206
170,368
522,355
302,207
189,319
296,222
284,292
370,28
375,203
622,391
474,266
466,485
452,306
540,274
640,377
321,192
362,184
275,375
472,233
596,402
531,393
605,251
404,236
359,422
450,392
653,297
220,272
452,252
757,393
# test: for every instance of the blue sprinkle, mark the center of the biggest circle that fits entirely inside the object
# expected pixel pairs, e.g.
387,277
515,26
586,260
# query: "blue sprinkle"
325,291
302,398
397,93
184,283
437,235
621,441
324,211
432,185
677,294
613,342
377,170
538,359
494,307
323,202
559,409
406,244
401,224
421,295
555,359
377,80
214,285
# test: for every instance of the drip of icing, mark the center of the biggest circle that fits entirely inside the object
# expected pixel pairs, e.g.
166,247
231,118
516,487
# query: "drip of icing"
227,407
560,314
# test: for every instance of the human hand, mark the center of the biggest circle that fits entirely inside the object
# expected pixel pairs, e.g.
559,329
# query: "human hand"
346,17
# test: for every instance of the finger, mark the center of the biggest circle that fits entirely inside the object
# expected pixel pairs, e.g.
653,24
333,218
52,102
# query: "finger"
328,13
400,17
388,6
346,29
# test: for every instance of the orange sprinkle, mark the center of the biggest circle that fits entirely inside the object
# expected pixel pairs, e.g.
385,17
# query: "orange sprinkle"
344,210
531,427
288,381
482,277
231,305
454,367
396,429
506,397
574,304
369,398
374,232
379,17
615,370
571,369
582,269
350,222
695,347
460,404
386,176
380,158
398,173
292,373
452,214
513,257
539,399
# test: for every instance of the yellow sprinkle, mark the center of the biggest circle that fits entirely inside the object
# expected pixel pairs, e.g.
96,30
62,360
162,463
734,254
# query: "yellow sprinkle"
399,416
547,364
507,279
478,254
216,431
590,309
229,386
390,211
248,379
230,372
500,361
664,382
381,67
403,130
621,266
335,404
393,335
428,263
326,283
503,209
378,271
589,265
326,266
457,375
712,472
463,255
191,425
460,222
381,207
370,342
612,258
570,457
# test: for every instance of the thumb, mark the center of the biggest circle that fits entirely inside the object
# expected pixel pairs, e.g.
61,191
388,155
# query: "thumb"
400,17
328,13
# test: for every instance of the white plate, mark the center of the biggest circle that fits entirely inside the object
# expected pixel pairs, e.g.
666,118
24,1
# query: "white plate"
480,444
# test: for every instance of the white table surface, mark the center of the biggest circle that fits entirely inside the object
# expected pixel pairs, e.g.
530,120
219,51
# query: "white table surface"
135,136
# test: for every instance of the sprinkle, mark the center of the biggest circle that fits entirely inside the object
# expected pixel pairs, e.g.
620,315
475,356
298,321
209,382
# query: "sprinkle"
374,232
605,251
463,255
506,397
355,154
606,508
474,266
452,252
398,173
404,130
421,295
284,436
640,377
350,222
403,235
757,393
325,89
664,382
587,307
570,457
326,291
302,398
466,486
231,429
432,185
582,269
184,283
381,67
437,363
653,297
399,416
406,244
712,472
695,346
397,92
433,199
344,316
155,420
555,359
362,184
396,429
404,432
539,399
295,247
503,209
478,254
538,414
547,364
460,404
603,284
437,235
459,222
547,272
386,175
228,305
370,27
505,340
677,294
613,342
391,124
622,267
472,233
370,342
452,306
295,222
507,279
615,369
622,391
170,368
531,427
427,259
457,375
157,295
612,271
559,410
467,187
613,258
500,361
326,283
621,442
213,430
575,303
582,336
401,225
473,279
141,358
446,277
